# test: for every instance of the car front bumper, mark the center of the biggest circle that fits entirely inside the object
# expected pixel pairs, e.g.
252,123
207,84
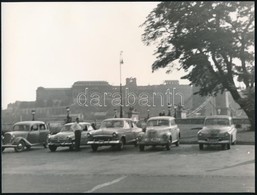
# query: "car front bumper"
59,144
111,142
215,141
153,141
9,146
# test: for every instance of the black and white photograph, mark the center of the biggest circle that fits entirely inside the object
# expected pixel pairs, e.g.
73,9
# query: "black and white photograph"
128,97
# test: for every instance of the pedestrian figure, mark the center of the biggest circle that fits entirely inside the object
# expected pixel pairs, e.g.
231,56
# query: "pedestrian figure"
77,132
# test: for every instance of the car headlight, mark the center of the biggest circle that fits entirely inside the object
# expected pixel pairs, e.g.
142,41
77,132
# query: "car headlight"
165,136
114,134
200,134
89,135
226,134
12,137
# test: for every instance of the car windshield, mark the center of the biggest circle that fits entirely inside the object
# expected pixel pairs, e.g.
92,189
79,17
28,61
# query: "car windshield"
66,128
21,127
217,121
158,122
112,124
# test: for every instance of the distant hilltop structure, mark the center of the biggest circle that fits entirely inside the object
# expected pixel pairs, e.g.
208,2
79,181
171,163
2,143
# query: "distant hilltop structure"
96,100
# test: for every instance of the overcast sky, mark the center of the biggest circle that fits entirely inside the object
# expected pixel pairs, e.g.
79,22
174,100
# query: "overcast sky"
56,44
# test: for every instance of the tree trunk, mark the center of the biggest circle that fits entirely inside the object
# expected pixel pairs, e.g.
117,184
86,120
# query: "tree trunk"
243,103
247,105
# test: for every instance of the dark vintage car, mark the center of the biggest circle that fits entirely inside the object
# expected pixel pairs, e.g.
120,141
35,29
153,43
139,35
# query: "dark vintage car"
25,134
66,136
160,131
114,132
217,129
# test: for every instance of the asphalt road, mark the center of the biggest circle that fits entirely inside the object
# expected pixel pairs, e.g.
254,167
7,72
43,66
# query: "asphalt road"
182,169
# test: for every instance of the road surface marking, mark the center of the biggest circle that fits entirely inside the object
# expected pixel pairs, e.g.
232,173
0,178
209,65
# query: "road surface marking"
106,184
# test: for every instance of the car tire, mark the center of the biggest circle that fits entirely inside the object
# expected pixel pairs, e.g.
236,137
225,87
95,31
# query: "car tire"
223,146
177,143
20,146
167,146
45,145
228,146
121,145
52,148
71,148
141,148
201,146
94,147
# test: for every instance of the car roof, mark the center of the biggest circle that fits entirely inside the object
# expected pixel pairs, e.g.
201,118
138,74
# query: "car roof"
29,122
218,116
81,123
118,119
161,117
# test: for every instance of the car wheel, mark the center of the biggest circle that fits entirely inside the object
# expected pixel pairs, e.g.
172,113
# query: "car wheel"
177,143
52,148
20,146
71,147
141,147
223,146
45,145
94,148
121,145
201,146
228,146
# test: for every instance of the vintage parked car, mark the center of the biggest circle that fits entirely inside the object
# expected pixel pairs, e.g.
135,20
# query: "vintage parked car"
114,132
66,136
217,130
161,130
25,134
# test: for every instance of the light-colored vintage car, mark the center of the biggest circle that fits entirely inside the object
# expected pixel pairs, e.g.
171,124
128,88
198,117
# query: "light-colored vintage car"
162,131
66,136
25,134
114,132
217,129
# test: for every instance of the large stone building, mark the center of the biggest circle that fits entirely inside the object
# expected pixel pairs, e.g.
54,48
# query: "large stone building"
96,100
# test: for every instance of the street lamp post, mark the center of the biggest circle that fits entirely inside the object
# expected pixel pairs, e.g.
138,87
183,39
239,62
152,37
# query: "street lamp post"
68,114
121,62
175,111
115,113
169,109
33,112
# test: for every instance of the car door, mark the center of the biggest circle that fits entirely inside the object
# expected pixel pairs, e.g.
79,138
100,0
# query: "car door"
33,135
128,131
174,130
85,129
43,133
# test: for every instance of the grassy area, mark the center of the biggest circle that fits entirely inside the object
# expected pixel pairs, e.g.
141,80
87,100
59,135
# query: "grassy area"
189,135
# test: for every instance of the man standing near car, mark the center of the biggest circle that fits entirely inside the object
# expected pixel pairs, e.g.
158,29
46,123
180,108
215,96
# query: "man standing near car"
77,132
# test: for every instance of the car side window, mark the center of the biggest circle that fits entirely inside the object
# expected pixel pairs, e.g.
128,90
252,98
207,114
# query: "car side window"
42,127
34,127
172,122
85,128
127,125
130,124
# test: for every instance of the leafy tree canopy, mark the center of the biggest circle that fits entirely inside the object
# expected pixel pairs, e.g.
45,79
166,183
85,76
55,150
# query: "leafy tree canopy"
213,41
